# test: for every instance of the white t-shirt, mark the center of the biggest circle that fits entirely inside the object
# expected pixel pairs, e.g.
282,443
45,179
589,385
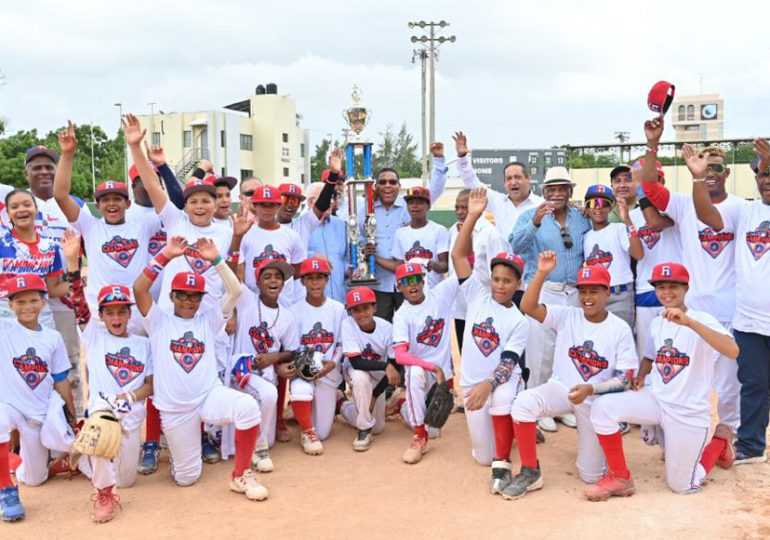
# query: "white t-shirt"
423,244
283,244
117,254
28,361
659,247
157,241
683,369
319,328
178,224
184,358
116,365
708,255
425,326
227,222
490,329
608,247
588,352
376,345
276,330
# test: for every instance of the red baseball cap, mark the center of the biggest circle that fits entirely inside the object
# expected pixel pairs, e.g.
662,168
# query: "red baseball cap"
266,194
291,190
669,271
593,275
196,185
325,175
189,281
114,295
24,283
286,269
358,296
639,163
314,265
105,188
133,172
510,260
417,193
409,269
660,97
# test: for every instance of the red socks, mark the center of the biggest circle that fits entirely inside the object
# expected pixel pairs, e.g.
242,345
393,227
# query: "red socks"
503,426
526,434
282,384
245,441
712,452
153,423
421,431
302,410
613,451
5,468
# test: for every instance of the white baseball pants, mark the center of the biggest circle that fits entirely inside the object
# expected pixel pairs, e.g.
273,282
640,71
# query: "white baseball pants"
324,398
33,470
121,471
356,412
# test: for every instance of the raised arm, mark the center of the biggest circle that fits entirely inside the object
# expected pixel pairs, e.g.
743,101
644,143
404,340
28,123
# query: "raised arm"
704,208
635,249
464,167
77,299
722,343
439,171
655,192
62,183
241,225
477,203
173,187
530,302
175,246
324,200
134,135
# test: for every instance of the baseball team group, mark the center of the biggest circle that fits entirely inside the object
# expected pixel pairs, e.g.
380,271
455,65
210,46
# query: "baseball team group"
624,307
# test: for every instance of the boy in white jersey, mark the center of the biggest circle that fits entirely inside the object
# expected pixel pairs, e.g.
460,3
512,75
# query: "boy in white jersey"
319,320
421,343
33,363
612,245
593,346
367,344
423,241
680,356
495,336
187,388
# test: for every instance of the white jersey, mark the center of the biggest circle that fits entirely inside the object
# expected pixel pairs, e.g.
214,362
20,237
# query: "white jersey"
490,329
683,367
116,365
376,345
117,254
588,352
319,328
184,358
608,247
272,331
425,326
157,241
178,224
422,245
28,361
708,255
659,247
226,222
280,243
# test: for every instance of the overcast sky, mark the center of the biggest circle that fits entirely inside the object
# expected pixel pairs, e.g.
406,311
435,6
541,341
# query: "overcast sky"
521,74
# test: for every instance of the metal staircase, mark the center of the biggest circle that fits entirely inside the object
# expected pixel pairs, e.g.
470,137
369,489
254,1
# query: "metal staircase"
187,164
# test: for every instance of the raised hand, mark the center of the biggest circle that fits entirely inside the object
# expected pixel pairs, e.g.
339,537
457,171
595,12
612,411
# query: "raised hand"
207,249
71,245
175,246
477,201
762,149
437,149
241,222
461,143
677,316
156,154
697,165
206,165
546,262
335,159
68,142
653,129
132,130
623,210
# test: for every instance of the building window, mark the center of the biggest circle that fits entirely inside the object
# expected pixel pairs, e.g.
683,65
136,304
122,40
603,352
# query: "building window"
286,172
548,160
246,173
187,139
222,139
302,178
691,112
533,171
285,137
156,138
246,142
222,172
533,159
302,150
560,160
680,111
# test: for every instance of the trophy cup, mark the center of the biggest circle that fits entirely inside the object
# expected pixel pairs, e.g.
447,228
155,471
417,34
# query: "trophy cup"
360,190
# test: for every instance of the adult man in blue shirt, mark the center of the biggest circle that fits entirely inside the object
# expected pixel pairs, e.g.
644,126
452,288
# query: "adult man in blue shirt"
330,240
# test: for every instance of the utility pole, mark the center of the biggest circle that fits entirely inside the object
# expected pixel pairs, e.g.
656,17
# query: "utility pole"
422,54
622,137
152,121
125,146
93,165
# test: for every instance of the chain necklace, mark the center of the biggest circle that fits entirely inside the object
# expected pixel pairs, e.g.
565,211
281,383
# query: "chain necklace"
259,313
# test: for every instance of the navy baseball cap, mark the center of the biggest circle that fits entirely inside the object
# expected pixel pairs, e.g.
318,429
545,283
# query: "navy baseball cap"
40,150
599,191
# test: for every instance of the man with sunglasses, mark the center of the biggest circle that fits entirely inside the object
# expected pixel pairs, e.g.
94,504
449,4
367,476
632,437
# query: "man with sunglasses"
553,226
248,187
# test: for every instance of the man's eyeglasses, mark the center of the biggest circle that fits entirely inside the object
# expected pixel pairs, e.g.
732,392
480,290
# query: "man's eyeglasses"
194,297
566,238
718,168
410,280
387,182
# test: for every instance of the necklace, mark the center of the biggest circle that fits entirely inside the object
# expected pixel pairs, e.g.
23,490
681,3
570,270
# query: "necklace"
259,313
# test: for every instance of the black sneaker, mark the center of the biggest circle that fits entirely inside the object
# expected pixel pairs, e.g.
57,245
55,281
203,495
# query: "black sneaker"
501,476
363,440
527,480
742,458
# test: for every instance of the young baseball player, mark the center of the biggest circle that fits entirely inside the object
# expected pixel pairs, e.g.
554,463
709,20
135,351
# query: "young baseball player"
423,241
421,342
593,346
612,245
186,384
680,357
495,336
319,320
367,344
33,363
224,187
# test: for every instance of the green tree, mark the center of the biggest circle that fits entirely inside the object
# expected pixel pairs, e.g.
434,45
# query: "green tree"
583,159
397,151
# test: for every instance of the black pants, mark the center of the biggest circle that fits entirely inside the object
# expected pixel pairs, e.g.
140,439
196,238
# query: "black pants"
387,304
460,330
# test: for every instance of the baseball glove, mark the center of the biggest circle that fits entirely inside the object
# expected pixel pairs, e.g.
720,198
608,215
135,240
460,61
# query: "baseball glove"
305,364
100,436
439,404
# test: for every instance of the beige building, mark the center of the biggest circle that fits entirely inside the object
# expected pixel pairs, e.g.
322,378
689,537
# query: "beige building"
259,136
698,117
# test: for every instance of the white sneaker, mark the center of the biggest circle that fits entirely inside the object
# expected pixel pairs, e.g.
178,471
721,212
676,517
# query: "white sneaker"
310,442
568,420
363,440
261,461
547,424
249,486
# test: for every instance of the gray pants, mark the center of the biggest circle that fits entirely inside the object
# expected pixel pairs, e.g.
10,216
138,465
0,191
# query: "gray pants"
622,304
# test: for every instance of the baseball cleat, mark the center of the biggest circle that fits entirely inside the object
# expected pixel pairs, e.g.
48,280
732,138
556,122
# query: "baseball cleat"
539,436
742,458
209,452
727,457
501,476
248,484
568,420
547,424
105,502
311,444
610,486
417,448
282,432
261,460
624,427
363,440
527,480
62,465
10,504
148,463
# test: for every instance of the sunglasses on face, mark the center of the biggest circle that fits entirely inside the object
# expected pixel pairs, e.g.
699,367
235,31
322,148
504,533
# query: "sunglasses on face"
598,203
191,297
565,237
410,280
248,193
718,168
387,182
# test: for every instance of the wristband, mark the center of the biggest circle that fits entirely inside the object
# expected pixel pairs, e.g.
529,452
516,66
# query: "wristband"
233,256
217,260
155,266
651,150
631,232
644,203
70,277
698,180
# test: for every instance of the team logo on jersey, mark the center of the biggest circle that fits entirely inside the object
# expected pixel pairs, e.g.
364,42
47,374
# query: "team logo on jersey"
586,360
598,257
187,351
31,367
123,367
121,250
261,338
432,332
418,252
670,361
369,354
485,336
268,253
193,258
649,236
759,240
714,242
318,339
157,242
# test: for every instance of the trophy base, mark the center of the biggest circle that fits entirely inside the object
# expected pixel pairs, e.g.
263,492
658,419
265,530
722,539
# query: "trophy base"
350,283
